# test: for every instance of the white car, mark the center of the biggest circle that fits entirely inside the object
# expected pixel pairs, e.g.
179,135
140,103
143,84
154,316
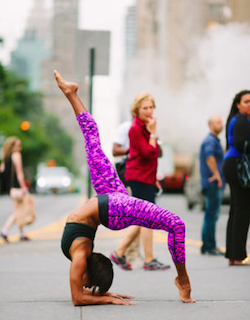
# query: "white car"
53,180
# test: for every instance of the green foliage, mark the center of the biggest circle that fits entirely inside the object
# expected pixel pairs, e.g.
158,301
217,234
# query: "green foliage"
45,139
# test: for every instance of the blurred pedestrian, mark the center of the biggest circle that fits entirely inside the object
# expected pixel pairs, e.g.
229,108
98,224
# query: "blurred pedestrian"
237,134
121,148
115,209
13,182
211,160
140,173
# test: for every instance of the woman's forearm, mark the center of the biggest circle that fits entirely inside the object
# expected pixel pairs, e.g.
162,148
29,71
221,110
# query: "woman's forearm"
89,299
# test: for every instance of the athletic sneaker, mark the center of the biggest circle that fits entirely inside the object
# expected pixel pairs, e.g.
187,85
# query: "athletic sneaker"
155,265
120,261
4,236
24,238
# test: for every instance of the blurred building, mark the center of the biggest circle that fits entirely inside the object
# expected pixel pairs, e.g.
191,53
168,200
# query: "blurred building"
33,47
169,31
147,27
187,22
131,32
63,50
49,43
240,10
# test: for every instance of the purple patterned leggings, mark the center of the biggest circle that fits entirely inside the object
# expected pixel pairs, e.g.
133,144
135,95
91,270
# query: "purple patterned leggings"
125,210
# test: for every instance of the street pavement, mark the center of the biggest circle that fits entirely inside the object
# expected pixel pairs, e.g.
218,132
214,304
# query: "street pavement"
34,275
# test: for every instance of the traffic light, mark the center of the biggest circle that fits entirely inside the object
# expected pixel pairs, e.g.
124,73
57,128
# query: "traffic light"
25,125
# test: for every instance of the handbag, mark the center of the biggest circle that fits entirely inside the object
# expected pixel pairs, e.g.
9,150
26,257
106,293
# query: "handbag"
27,214
120,168
16,194
243,168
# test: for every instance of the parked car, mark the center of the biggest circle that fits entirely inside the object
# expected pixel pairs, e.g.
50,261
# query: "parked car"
53,180
192,188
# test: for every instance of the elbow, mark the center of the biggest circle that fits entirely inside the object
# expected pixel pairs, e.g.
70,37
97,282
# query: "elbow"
77,301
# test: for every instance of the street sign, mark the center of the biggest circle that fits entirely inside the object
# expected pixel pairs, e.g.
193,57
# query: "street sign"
86,40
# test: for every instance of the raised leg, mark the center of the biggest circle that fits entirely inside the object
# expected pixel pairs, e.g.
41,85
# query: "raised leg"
103,175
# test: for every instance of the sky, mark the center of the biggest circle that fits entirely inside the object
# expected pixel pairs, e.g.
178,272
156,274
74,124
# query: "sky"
109,16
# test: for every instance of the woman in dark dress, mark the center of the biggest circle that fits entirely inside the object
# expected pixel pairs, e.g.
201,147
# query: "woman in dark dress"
237,133
13,182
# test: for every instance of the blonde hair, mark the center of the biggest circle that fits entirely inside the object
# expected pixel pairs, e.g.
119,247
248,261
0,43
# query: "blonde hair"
143,96
8,146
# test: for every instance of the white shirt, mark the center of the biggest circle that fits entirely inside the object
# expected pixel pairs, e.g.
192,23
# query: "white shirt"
121,135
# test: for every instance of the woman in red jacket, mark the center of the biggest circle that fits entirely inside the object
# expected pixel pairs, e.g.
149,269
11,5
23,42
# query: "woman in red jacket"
140,173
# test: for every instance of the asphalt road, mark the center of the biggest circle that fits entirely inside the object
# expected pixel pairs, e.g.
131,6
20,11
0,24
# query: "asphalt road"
34,281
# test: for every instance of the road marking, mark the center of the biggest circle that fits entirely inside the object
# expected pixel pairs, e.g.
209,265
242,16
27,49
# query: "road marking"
54,230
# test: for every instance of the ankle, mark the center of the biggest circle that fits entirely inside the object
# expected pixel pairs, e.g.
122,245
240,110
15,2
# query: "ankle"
119,253
69,93
183,280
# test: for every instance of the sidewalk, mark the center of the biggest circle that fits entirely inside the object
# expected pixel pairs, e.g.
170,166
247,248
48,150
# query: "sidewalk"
34,282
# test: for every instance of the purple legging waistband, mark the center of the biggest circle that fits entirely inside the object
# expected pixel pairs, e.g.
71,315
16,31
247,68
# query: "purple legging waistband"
124,210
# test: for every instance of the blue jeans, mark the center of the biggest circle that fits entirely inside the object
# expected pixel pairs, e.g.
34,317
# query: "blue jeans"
213,199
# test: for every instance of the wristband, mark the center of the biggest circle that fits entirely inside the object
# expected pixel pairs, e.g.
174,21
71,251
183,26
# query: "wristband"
154,136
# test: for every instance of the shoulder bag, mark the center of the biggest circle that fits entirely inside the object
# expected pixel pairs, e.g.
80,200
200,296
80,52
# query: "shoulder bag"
243,168
120,169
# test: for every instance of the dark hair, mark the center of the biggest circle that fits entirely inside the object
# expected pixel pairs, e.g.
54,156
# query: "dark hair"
100,272
234,109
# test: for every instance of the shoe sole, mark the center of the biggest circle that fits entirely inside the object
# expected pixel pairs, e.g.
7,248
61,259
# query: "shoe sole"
5,239
214,254
113,258
155,269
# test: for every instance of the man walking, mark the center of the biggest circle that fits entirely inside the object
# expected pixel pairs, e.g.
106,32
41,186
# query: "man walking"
211,158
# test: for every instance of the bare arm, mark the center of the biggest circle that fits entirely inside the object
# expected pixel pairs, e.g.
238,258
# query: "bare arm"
82,296
18,164
2,167
211,162
119,150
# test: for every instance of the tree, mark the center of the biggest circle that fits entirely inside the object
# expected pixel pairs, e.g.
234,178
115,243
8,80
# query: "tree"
45,139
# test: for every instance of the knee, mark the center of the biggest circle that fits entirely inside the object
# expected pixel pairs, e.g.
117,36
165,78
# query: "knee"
180,226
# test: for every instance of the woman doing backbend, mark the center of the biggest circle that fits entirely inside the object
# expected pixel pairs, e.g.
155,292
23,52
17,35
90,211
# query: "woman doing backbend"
116,210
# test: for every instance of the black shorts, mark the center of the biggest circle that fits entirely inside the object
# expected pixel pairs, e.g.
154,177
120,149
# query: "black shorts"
103,206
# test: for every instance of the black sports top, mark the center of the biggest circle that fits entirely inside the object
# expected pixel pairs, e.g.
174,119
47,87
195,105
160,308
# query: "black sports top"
74,230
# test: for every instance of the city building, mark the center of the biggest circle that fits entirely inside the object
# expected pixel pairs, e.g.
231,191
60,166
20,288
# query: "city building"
33,47
131,32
